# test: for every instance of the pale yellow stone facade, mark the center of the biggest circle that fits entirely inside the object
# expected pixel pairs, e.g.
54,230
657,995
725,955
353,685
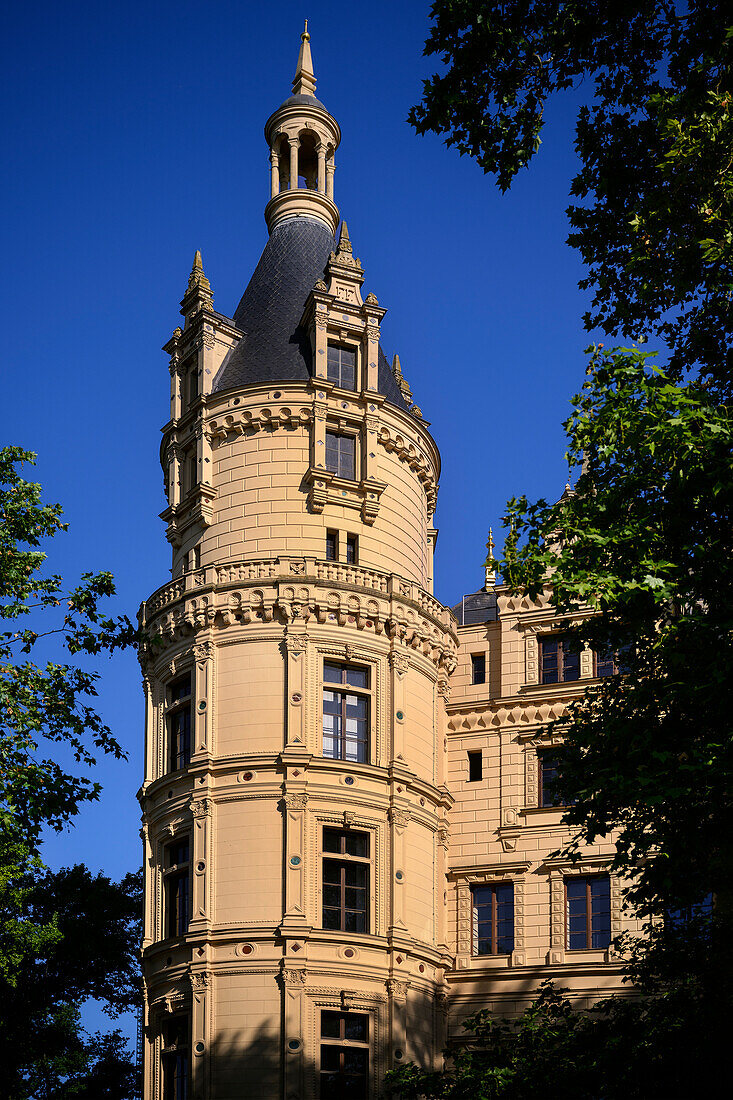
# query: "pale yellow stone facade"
237,822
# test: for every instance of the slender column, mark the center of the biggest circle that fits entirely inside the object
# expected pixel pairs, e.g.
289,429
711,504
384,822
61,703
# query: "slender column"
294,146
321,168
330,168
274,173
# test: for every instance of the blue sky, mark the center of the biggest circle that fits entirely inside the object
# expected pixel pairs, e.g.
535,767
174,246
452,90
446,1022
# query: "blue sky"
132,136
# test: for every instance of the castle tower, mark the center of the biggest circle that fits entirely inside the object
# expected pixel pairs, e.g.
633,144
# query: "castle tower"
295,668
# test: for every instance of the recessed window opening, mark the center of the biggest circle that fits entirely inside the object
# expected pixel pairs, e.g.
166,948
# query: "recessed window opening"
588,912
559,662
176,887
178,722
341,455
352,549
548,771
478,668
341,366
308,162
493,919
344,1069
346,700
475,766
332,546
345,880
174,1058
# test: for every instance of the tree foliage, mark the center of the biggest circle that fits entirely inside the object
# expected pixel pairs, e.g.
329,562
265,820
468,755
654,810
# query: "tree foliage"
644,539
69,936
654,139
45,1051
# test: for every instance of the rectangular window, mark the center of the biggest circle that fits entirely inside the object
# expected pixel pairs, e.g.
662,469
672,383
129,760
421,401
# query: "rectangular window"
174,1059
475,766
332,546
493,919
558,662
344,1055
190,471
341,455
680,918
193,384
588,912
478,668
178,722
176,888
346,700
548,771
352,549
341,367
345,880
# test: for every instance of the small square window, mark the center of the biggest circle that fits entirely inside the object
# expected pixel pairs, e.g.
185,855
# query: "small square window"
478,668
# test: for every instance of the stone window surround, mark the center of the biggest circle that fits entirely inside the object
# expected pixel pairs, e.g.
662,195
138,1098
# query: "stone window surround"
531,629
559,871
350,655
374,1006
487,875
349,820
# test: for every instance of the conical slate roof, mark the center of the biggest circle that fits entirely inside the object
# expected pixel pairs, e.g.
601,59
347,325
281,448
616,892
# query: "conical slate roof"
274,348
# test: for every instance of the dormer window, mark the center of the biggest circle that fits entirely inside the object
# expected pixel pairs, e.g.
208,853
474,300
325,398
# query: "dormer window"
341,366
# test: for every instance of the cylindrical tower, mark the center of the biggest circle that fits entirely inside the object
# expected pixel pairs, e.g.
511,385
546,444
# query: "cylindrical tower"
294,802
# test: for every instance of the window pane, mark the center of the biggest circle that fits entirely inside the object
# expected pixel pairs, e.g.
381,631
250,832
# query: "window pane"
331,673
332,451
332,871
177,852
330,1057
331,546
355,922
357,677
357,844
351,550
478,668
356,1028
332,919
570,663
330,1025
179,689
347,454
549,660
332,840
356,875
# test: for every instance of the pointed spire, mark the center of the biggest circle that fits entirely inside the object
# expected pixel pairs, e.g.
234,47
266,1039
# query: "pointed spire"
198,292
344,242
305,80
197,277
490,581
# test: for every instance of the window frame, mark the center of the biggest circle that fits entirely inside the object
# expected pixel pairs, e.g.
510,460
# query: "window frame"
343,688
173,1055
478,664
561,638
354,437
543,755
332,537
474,756
174,709
345,859
341,347
352,547
588,879
493,887
172,875
343,1045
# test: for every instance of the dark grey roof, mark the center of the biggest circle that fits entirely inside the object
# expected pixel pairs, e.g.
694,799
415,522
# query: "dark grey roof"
297,100
479,607
274,348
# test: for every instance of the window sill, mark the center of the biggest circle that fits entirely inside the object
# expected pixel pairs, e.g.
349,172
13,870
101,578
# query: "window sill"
325,487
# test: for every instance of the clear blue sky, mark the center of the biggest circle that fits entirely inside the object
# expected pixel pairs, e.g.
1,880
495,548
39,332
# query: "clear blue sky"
132,136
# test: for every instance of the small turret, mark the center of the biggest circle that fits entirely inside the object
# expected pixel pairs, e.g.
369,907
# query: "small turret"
303,138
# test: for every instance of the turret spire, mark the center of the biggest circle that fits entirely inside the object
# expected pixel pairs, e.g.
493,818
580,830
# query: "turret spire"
305,80
198,294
